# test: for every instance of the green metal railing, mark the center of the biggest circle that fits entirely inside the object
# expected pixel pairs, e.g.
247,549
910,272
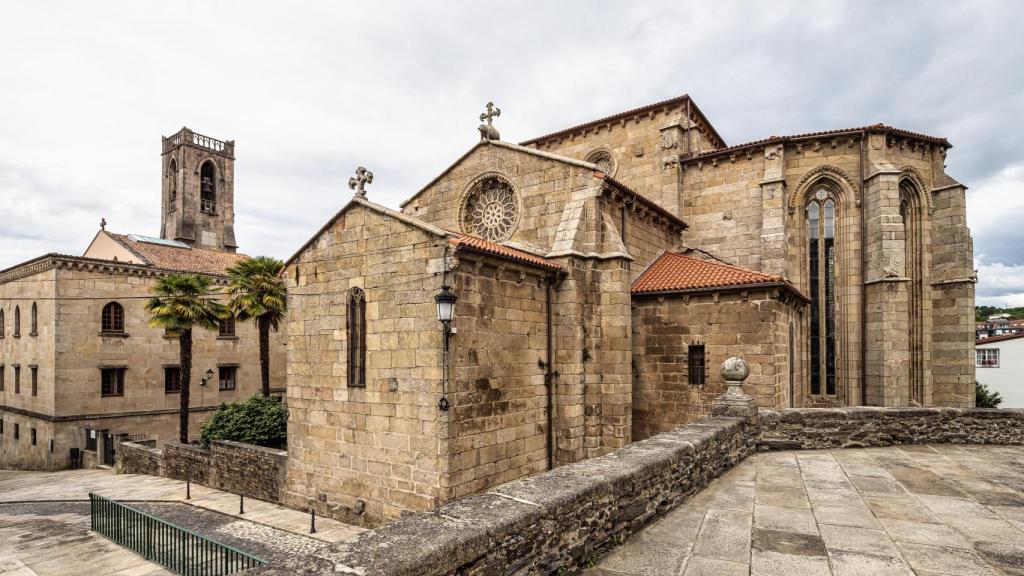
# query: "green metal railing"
176,548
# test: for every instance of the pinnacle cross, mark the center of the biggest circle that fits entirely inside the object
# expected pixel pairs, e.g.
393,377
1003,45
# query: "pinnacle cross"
492,112
360,180
103,223
488,131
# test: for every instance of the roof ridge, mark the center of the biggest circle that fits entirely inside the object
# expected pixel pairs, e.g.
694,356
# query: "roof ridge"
724,265
877,127
639,110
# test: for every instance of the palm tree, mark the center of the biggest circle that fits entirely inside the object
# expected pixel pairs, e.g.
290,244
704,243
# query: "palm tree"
181,302
257,292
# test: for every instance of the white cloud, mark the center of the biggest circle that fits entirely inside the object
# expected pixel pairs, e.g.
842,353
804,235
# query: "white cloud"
310,90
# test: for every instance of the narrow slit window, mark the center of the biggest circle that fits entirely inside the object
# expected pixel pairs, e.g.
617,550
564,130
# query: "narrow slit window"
356,338
696,365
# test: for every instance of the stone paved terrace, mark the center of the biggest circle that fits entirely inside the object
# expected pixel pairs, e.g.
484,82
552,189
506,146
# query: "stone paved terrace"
44,522
925,510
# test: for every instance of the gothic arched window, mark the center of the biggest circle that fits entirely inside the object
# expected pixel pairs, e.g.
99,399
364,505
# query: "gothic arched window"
821,233
34,321
910,212
112,318
172,186
208,188
356,332
17,322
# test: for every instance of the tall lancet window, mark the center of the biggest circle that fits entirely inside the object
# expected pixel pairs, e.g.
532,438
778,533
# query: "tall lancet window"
356,338
910,211
821,233
208,188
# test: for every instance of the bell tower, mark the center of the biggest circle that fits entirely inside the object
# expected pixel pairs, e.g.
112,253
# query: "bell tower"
198,190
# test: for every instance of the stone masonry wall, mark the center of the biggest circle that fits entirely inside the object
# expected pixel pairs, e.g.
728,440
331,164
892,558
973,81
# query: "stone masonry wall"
253,471
382,448
134,458
754,326
499,400
187,462
551,522
815,428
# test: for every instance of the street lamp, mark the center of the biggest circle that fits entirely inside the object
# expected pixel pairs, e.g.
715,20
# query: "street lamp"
445,312
445,305
209,376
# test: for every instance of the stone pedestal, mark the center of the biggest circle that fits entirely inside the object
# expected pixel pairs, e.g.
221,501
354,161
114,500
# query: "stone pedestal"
734,402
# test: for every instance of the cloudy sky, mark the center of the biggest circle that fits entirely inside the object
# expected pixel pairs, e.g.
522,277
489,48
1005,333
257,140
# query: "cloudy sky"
310,90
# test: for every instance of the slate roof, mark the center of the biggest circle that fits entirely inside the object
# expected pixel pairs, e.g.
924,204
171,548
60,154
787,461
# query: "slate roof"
478,244
168,257
674,272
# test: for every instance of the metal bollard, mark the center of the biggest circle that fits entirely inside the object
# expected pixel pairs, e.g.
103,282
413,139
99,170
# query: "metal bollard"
241,504
312,521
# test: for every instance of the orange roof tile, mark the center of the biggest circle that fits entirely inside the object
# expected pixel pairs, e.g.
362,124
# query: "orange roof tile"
487,247
191,259
673,272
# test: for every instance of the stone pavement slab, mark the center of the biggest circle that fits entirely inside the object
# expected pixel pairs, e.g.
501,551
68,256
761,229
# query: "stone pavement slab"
924,510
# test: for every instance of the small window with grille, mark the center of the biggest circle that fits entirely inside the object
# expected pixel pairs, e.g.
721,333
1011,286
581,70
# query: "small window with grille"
696,364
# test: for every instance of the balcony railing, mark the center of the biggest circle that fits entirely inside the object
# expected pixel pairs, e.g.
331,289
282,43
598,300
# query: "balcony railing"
179,549
186,136
208,206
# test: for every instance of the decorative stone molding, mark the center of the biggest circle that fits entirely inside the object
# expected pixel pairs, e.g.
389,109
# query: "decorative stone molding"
827,172
915,176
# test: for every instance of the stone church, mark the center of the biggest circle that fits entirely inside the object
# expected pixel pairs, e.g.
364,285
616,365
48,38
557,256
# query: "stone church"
602,274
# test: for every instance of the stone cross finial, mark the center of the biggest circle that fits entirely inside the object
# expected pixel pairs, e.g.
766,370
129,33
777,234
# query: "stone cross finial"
360,180
488,131
103,223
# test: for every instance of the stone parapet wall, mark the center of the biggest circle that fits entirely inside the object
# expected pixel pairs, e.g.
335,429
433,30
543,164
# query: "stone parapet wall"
816,428
187,462
553,521
136,458
254,471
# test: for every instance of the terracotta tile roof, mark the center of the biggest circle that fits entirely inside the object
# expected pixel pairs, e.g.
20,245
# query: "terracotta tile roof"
673,272
487,247
999,338
168,257
808,135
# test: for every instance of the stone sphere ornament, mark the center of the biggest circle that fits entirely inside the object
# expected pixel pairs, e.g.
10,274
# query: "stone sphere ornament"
735,369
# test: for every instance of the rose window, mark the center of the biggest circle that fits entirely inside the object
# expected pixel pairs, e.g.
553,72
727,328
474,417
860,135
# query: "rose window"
491,210
604,161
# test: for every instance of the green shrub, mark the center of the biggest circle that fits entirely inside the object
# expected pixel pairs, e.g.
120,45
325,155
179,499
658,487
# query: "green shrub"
259,420
986,398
